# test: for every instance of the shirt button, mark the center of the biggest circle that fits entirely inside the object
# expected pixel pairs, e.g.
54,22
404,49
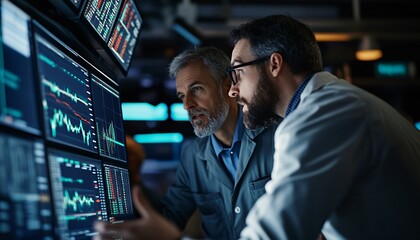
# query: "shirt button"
237,210
231,152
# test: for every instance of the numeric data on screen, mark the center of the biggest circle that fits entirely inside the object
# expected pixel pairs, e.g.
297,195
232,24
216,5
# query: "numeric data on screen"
25,202
78,193
125,34
101,15
117,184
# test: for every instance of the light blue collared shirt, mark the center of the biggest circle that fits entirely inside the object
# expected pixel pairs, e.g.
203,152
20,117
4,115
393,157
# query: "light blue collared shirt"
230,155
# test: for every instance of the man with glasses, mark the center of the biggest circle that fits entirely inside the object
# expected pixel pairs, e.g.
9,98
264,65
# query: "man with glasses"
223,172
345,161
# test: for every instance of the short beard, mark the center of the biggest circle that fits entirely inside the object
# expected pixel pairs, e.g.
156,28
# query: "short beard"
261,108
215,121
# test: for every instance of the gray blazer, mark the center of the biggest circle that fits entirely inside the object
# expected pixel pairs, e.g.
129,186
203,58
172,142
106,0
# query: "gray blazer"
202,182
346,162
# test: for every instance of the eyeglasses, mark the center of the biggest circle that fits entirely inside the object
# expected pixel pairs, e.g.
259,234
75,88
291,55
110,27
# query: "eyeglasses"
232,73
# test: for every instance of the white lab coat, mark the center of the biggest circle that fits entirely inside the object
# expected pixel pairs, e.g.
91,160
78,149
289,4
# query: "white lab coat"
345,162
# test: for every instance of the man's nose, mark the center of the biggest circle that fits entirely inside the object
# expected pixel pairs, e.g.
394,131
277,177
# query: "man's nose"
189,102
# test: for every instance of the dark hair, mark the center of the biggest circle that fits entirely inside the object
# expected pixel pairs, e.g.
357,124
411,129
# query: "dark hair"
279,33
215,59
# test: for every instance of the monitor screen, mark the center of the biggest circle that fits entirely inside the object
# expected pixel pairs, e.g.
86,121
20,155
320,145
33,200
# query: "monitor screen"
57,176
25,202
101,16
108,116
78,193
125,33
17,93
66,96
117,184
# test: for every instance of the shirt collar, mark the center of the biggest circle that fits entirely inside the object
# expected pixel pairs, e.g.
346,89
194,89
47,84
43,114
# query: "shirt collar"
237,137
294,102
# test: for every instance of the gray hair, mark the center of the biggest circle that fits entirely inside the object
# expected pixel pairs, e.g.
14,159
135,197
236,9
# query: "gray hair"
215,59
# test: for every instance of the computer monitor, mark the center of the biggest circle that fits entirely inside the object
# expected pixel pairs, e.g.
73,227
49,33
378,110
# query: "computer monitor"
101,16
117,184
25,202
108,117
125,33
18,107
57,177
78,193
66,94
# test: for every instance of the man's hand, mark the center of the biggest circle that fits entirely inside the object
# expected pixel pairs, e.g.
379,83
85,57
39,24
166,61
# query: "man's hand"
151,225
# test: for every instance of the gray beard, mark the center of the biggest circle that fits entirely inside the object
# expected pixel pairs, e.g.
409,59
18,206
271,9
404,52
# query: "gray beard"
214,122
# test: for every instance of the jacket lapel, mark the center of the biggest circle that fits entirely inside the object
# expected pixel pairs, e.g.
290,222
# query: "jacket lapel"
214,166
247,148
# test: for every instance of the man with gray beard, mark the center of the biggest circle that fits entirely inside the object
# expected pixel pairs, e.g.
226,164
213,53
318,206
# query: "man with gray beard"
223,171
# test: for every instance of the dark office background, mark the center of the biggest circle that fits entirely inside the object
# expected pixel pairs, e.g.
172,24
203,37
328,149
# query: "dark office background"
394,24
340,25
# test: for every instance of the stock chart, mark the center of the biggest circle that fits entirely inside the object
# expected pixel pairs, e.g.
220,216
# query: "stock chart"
108,118
67,100
63,162
78,193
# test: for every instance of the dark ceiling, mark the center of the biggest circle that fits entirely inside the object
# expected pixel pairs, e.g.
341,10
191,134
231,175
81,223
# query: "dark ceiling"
394,23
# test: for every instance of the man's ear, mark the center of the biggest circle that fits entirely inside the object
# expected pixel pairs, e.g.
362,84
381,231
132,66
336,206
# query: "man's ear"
276,64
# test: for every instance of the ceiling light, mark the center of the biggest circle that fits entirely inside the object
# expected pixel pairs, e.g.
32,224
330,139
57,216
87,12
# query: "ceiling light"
368,50
332,37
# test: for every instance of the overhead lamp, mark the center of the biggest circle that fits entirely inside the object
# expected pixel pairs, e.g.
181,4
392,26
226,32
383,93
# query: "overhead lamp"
332,37
368,50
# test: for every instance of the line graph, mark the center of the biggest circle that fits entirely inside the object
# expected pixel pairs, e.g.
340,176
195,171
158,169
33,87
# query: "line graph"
67,101
108,136
56,90
108,119
62,120
71,180
79,201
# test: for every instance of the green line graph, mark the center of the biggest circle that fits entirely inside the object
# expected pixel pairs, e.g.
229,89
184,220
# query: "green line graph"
77,202
59,119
